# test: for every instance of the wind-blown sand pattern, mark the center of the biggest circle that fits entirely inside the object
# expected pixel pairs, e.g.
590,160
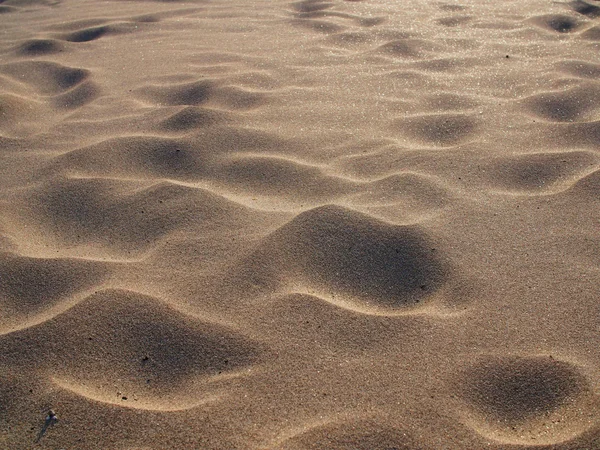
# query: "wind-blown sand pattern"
343,224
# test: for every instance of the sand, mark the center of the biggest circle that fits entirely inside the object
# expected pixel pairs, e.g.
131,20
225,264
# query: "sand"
275,225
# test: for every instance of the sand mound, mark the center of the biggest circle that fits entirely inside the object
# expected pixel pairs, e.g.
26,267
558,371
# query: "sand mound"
139,344
39,47
525,398
339,253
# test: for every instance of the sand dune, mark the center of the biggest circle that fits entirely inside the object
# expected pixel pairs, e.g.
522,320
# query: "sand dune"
299,224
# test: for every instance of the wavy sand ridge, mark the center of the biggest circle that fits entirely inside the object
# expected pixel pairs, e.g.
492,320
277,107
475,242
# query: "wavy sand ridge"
52,40
140,156
200,93
415,195
134,351
438,129
30,288
581,69
279,178
19,114
352,434
573,105
46,77
525,400
88,34
243,175
542,172
588,186
41,89
186,159
190,118
322,17
97,214
67,87
284,183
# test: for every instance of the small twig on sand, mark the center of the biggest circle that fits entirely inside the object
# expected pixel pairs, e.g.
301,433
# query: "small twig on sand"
51,419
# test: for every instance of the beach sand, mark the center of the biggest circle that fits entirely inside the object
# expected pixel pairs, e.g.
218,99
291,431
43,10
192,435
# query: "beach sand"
358,225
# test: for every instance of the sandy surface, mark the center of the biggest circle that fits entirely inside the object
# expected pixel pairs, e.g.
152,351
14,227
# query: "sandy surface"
358,225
